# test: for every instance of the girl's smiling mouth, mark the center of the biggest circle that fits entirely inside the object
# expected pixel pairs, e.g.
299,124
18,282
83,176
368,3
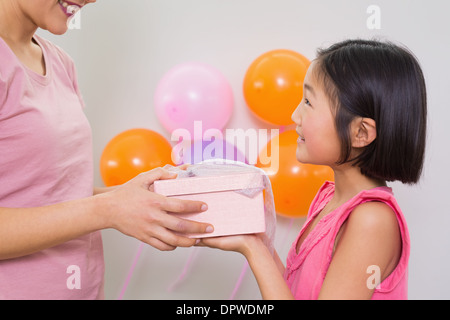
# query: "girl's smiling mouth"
300,139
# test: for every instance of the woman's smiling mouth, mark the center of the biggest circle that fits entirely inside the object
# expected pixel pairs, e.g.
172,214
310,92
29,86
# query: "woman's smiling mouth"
69,8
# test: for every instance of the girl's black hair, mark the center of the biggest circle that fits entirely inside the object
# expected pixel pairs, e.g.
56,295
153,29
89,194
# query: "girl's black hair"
384,82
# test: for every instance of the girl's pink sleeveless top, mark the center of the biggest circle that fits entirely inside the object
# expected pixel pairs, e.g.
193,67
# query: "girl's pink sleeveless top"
306,270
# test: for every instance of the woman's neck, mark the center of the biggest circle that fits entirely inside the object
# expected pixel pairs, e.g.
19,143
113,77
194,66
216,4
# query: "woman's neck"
15,27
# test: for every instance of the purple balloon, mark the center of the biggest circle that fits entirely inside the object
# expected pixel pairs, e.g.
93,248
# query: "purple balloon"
217,148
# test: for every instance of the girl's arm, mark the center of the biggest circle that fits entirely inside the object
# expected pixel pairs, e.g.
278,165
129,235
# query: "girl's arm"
369,247
267,269
130,208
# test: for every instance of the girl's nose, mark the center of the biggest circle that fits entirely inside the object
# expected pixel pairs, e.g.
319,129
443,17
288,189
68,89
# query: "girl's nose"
296,115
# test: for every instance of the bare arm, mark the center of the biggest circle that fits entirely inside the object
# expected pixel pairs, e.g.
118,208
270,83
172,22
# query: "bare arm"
267,271
130,208
27,230
267,268
370,238
99,190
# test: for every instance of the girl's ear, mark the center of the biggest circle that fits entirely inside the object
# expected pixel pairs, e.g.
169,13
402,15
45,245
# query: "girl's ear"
364,131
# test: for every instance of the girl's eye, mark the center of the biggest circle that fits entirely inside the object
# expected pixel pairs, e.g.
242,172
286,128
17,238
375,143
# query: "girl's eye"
307,102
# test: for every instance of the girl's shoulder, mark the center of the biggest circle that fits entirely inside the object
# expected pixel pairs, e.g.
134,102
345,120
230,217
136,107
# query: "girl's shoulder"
376,213
373,207
375,218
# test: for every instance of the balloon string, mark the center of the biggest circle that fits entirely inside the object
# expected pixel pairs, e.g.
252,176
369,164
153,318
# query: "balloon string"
191,258
239,281
186,267
130,272
245,266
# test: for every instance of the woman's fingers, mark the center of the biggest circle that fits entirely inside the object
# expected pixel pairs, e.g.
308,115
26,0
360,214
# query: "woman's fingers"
185,226
164,238
183,206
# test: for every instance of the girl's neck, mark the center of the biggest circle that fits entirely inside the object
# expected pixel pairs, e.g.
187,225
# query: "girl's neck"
349,181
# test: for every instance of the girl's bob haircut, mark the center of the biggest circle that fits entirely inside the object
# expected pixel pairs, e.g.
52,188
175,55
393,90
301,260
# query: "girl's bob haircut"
384,82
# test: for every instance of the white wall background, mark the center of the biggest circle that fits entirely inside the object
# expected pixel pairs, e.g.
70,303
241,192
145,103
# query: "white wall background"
123,48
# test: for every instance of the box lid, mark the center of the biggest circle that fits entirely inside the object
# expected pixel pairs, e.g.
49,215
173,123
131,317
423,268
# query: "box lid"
205,184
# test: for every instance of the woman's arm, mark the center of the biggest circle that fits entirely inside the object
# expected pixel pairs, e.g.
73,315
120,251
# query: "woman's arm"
99,190
267,268
130,208
27,230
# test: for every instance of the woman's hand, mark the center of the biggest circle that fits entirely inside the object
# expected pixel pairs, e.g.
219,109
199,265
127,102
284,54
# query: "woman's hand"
135,210
131,208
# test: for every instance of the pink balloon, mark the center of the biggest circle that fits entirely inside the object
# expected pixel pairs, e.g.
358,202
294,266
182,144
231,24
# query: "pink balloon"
193,92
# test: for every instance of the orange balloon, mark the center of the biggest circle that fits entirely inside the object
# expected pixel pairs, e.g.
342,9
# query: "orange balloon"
273,85
294,184
132,152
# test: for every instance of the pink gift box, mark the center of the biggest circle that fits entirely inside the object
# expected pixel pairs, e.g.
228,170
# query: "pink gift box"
235,201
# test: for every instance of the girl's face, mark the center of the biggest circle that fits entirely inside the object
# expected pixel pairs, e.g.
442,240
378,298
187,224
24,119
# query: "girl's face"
51,15
318,141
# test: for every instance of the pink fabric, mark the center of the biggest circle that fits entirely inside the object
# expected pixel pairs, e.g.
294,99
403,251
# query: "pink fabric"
46,158
306,271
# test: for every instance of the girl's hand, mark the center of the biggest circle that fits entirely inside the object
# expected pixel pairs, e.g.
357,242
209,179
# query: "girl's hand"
135,210
243,243
266,265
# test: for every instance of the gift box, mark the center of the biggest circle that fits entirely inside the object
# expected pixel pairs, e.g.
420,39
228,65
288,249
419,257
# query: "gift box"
235,201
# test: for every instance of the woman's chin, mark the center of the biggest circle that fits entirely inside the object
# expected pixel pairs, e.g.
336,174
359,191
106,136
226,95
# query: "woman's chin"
58,29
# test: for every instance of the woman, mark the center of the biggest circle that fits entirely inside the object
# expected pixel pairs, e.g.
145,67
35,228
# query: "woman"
50,213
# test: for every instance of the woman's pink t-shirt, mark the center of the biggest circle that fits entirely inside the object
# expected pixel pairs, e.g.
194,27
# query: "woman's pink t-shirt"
46,158
306,270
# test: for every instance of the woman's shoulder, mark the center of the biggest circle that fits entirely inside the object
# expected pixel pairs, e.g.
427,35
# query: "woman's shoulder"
54,51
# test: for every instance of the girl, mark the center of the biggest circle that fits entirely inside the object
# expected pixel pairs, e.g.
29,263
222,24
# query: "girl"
50,243
363,113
